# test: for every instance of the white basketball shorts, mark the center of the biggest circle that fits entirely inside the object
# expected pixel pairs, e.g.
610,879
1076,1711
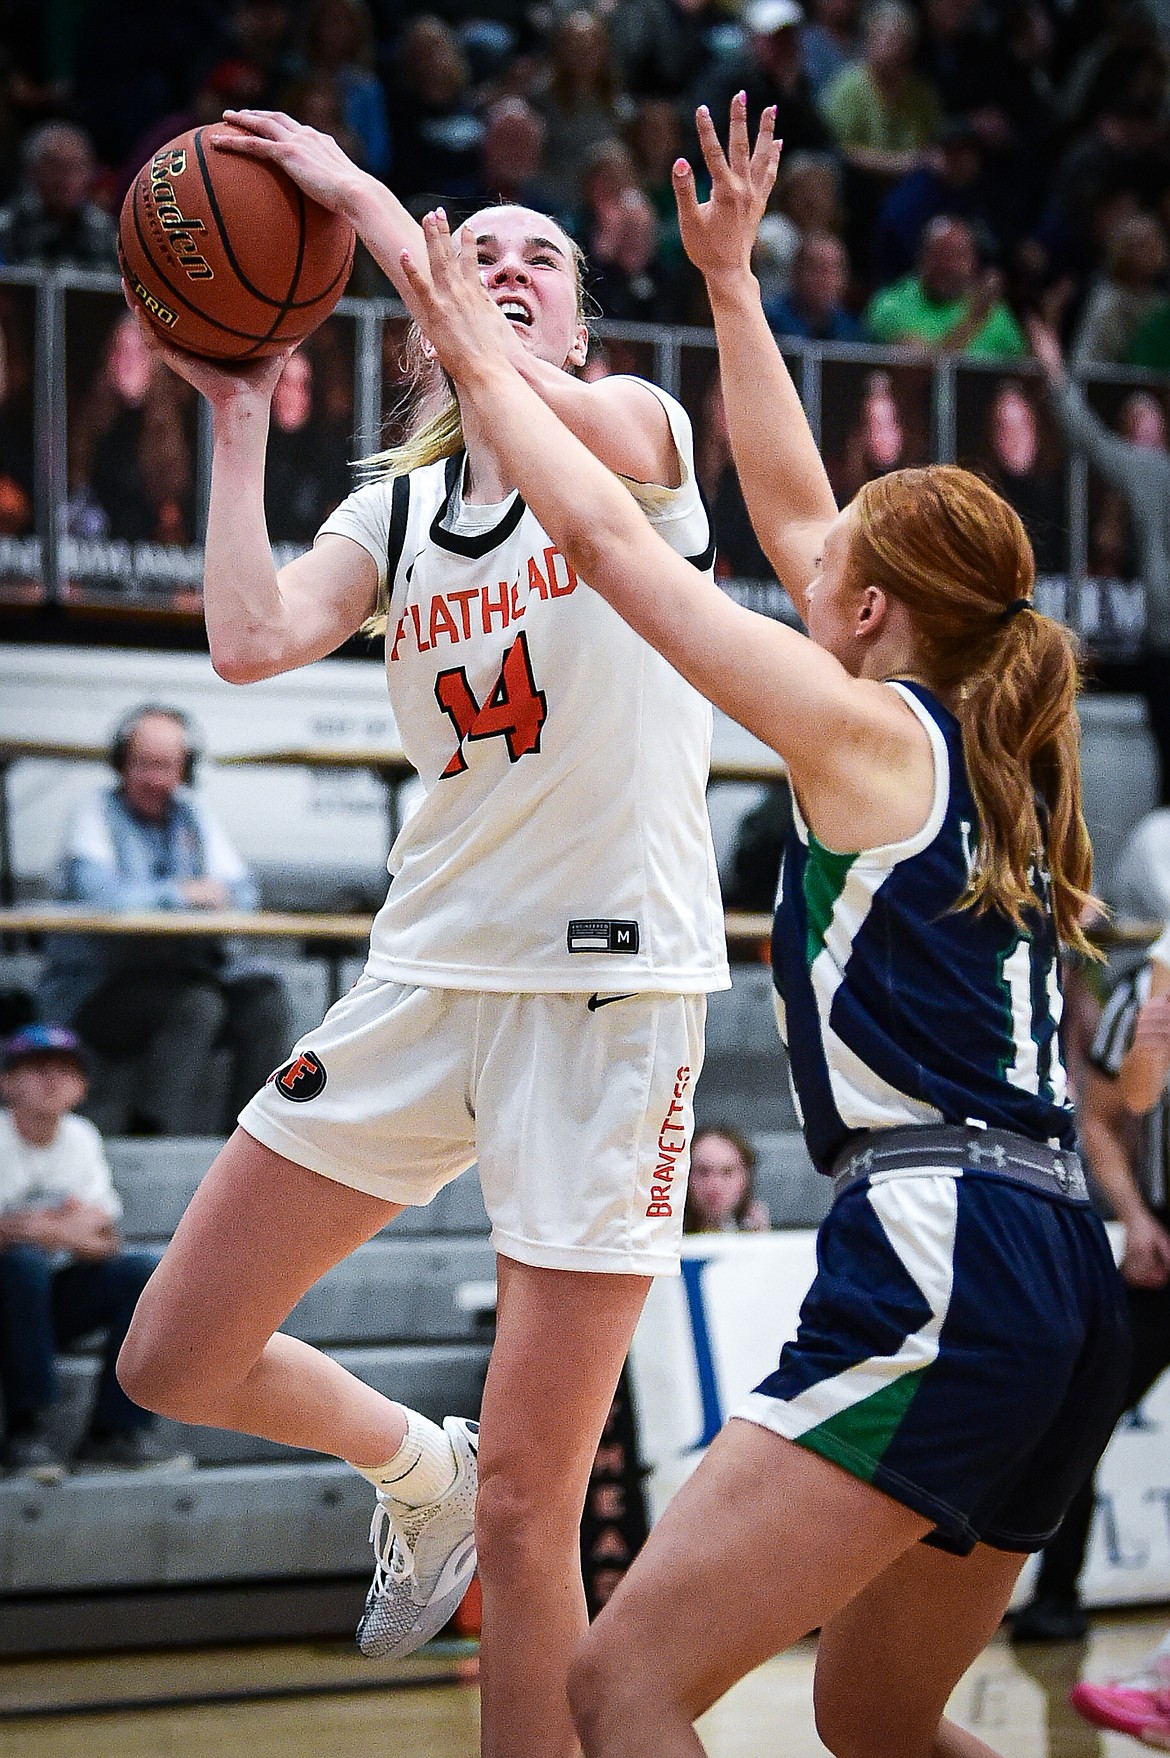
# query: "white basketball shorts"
578,1109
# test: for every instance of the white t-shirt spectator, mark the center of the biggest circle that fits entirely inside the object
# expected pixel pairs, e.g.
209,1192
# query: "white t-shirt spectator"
72,1165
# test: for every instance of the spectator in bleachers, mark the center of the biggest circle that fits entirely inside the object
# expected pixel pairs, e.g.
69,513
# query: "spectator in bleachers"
1127,1080
1139,471
951,181
581,101
52,221
721,1189
813,307
1123,294
511,158
1107,172
949,306
262,46
807,198
771,71
435,130
339,41
619,232
64,1271
829,42
163,1004
882,113
649,49
959,57
317,100
655,138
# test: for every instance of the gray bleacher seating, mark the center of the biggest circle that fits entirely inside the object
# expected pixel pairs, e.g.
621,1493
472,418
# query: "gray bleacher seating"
1119,769
406,1312
745,1077
793,1192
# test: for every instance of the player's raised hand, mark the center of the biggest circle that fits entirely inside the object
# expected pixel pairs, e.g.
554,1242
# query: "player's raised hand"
312,160
718,234
447,298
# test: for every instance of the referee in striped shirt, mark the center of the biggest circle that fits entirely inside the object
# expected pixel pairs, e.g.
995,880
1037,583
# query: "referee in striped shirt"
1125,1132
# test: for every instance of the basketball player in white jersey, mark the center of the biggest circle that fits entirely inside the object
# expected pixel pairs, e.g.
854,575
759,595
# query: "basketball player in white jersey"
535,991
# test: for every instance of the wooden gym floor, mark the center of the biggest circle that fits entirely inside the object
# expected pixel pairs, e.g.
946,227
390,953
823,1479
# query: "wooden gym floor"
320,1699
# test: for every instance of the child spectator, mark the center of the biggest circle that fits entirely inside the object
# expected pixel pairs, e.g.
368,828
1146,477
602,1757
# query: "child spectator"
63,1269
720,1193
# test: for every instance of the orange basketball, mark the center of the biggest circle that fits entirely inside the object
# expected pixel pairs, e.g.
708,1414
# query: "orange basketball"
224,255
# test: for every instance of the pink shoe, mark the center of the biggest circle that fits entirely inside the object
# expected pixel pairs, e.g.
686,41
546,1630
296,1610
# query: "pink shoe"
1139,1707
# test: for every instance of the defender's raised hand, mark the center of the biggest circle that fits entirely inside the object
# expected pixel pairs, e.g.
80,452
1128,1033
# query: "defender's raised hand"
447,296
718,234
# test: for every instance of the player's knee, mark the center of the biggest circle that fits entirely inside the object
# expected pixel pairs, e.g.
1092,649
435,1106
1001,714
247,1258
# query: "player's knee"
521,1518
607,1685
588,1677
841,1730
154,1371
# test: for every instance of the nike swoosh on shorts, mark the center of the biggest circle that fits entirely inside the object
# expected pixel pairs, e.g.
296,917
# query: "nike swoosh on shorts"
595,1001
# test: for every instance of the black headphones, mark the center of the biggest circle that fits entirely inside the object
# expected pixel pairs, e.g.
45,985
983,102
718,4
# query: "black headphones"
120,742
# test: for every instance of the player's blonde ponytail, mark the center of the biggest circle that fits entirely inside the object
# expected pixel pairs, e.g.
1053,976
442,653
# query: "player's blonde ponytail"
956,554
429,411
434,429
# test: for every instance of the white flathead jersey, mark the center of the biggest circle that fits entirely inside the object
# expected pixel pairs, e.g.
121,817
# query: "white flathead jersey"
563,842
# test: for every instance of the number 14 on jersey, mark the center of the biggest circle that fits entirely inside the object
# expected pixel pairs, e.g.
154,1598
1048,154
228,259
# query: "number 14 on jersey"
514,709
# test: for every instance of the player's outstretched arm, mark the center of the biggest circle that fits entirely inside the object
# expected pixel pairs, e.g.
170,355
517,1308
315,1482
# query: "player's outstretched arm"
848,742
784,484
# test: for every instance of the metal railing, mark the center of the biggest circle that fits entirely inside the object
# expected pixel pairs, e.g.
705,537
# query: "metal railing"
58,327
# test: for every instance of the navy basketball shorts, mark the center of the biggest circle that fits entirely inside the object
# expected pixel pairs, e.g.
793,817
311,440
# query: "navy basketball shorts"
964,1348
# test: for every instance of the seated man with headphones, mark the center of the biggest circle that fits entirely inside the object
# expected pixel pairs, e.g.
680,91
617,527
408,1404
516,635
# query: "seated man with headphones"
153,1010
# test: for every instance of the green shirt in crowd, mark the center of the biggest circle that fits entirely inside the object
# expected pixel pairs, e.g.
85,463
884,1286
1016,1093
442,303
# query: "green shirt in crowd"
859,116
1151,345
903,313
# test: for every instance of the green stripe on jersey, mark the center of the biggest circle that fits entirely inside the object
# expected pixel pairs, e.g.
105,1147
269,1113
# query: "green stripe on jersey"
865,1429
825,874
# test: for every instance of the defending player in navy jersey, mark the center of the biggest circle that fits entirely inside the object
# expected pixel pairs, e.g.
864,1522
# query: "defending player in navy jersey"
962,1351
536,987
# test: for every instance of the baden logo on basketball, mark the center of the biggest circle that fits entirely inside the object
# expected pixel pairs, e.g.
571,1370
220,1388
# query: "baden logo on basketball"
165,168
302,1078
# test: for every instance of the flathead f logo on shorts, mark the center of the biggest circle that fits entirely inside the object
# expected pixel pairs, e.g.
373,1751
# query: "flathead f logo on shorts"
302,1078
603,936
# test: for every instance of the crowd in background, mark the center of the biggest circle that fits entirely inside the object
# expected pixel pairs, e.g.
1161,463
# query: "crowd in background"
946,166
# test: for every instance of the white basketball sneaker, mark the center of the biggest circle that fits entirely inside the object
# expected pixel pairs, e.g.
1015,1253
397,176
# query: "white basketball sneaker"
424,1557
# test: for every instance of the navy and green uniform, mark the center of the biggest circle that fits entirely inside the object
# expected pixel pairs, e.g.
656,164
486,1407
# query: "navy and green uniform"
963,1346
